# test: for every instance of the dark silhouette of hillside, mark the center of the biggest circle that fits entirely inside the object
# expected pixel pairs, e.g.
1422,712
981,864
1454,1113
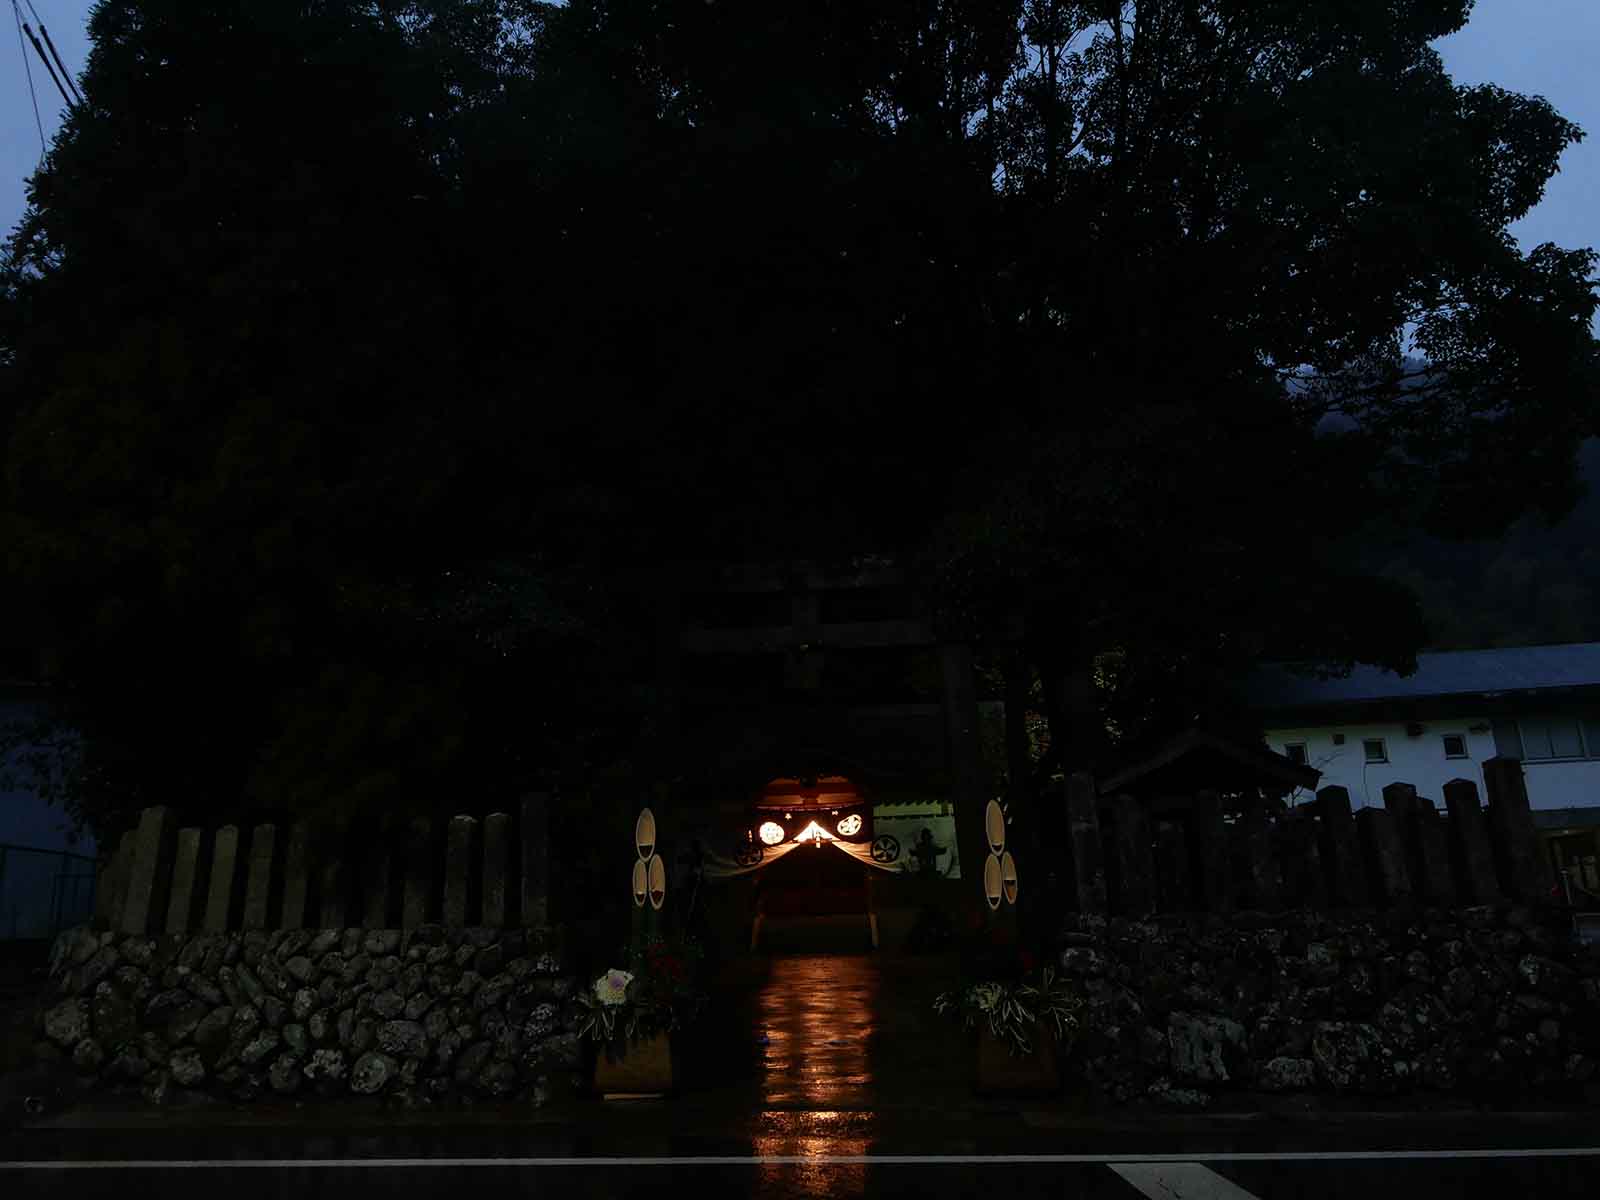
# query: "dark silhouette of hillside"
1533,586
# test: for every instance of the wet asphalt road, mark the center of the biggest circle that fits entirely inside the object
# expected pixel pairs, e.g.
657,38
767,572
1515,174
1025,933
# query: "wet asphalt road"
824,1075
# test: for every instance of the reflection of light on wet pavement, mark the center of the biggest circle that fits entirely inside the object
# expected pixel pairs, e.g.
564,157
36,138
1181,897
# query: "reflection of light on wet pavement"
818,1013
813,1135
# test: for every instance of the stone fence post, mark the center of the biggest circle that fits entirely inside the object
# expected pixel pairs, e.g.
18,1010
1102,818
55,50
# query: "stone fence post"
535,899
296,877
224,879
144,904
1524,871
183,906
1388,880
460,842
496,864
258,889
1471,854
1341,849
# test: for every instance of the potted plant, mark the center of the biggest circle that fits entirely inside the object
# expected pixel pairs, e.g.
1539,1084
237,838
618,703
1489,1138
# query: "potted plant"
1025,1026
631,1012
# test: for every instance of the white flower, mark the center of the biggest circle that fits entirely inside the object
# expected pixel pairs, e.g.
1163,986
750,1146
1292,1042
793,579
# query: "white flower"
612,987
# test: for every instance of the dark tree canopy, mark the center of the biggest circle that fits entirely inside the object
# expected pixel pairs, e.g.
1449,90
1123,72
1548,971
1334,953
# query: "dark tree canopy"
351,350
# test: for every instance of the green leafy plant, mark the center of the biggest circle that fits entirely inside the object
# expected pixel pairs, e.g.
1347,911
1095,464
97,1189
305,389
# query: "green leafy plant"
657,992
1014,1009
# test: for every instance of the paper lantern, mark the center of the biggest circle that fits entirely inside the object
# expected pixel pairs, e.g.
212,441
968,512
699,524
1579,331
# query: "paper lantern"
994,827
658,882
1008,877
641,883
644,834
992,881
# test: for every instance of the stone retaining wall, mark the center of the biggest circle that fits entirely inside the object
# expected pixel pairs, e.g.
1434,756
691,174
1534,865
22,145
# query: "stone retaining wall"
1481,1002
423,1016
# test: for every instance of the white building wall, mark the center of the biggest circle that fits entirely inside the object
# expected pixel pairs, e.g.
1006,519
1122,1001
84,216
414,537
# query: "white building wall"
1421,762
1568,784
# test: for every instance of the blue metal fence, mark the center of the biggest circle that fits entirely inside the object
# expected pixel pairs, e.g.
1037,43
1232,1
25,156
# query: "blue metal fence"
43,892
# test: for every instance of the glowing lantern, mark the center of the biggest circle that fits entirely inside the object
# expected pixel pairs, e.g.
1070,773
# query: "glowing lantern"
994,827
991,881
814,833
641,883
658,882
1008,877
771,833
644,834
850,826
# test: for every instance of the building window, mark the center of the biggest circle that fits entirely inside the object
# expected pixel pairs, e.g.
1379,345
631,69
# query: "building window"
1533,739
1295,752
1375,750
1455,745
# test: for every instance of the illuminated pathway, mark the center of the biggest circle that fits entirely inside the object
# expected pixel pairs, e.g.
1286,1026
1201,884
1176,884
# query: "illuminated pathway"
818,1014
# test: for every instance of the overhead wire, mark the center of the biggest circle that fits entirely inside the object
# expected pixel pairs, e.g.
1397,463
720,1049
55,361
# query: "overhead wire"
54,53
28,70
28,29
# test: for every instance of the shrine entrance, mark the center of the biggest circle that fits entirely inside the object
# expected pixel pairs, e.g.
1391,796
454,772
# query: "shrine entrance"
810,858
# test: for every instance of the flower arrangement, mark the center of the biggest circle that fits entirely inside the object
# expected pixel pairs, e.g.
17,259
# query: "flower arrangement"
1013,1009
656,993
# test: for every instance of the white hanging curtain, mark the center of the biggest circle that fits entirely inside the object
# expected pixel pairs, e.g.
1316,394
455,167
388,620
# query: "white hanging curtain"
862,853
718,867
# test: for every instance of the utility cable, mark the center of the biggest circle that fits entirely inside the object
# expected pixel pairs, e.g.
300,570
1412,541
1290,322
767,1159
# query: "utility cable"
28,29
45,33
21,45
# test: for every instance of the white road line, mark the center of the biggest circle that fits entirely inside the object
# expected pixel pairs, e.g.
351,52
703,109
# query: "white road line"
795,1160
1180,1181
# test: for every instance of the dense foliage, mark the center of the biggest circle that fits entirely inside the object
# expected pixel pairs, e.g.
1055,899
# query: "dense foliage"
354,354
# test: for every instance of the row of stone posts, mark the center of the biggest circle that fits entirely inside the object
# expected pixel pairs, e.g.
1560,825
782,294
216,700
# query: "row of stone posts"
1320,855
162,879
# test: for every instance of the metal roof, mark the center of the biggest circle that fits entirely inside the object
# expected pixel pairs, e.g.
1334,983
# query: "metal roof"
1446,673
